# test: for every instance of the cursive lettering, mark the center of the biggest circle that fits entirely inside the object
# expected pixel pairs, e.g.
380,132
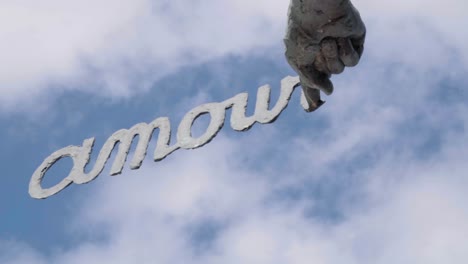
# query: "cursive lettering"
124,137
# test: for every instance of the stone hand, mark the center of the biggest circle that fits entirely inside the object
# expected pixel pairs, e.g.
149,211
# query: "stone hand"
323,37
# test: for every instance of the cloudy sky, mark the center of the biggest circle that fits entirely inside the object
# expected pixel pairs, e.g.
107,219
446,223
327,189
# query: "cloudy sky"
379,174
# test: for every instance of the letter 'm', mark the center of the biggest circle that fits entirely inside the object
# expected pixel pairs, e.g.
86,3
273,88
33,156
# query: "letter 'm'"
125,138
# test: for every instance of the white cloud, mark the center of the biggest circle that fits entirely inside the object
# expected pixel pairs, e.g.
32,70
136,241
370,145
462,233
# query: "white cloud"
209,206
413,212
14,252
114,48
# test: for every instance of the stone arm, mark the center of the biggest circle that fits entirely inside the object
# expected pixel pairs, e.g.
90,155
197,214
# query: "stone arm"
323,37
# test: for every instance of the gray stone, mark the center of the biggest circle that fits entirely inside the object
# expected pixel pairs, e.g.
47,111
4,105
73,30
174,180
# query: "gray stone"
323,37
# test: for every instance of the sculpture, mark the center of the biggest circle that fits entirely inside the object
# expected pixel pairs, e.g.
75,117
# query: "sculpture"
80,155
323,37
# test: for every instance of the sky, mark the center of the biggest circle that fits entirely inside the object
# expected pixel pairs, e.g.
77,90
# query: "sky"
377,175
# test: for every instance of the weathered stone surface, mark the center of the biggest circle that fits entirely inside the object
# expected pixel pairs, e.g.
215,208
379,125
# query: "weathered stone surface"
323,37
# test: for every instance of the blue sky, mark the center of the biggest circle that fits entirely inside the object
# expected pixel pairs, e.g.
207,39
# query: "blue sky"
377,175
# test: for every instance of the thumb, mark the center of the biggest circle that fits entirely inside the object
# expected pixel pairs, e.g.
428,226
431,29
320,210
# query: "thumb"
310,77
324,84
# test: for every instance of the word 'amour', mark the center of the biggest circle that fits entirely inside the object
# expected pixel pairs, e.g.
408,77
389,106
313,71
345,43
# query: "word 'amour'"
217,111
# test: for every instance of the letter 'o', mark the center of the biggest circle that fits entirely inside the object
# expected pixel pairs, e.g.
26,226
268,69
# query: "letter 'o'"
217,113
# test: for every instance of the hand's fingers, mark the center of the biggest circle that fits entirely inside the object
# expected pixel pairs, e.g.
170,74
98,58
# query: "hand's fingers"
311,77
358,44
348,55
335,65
312,97
323,83
320,63
330,52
